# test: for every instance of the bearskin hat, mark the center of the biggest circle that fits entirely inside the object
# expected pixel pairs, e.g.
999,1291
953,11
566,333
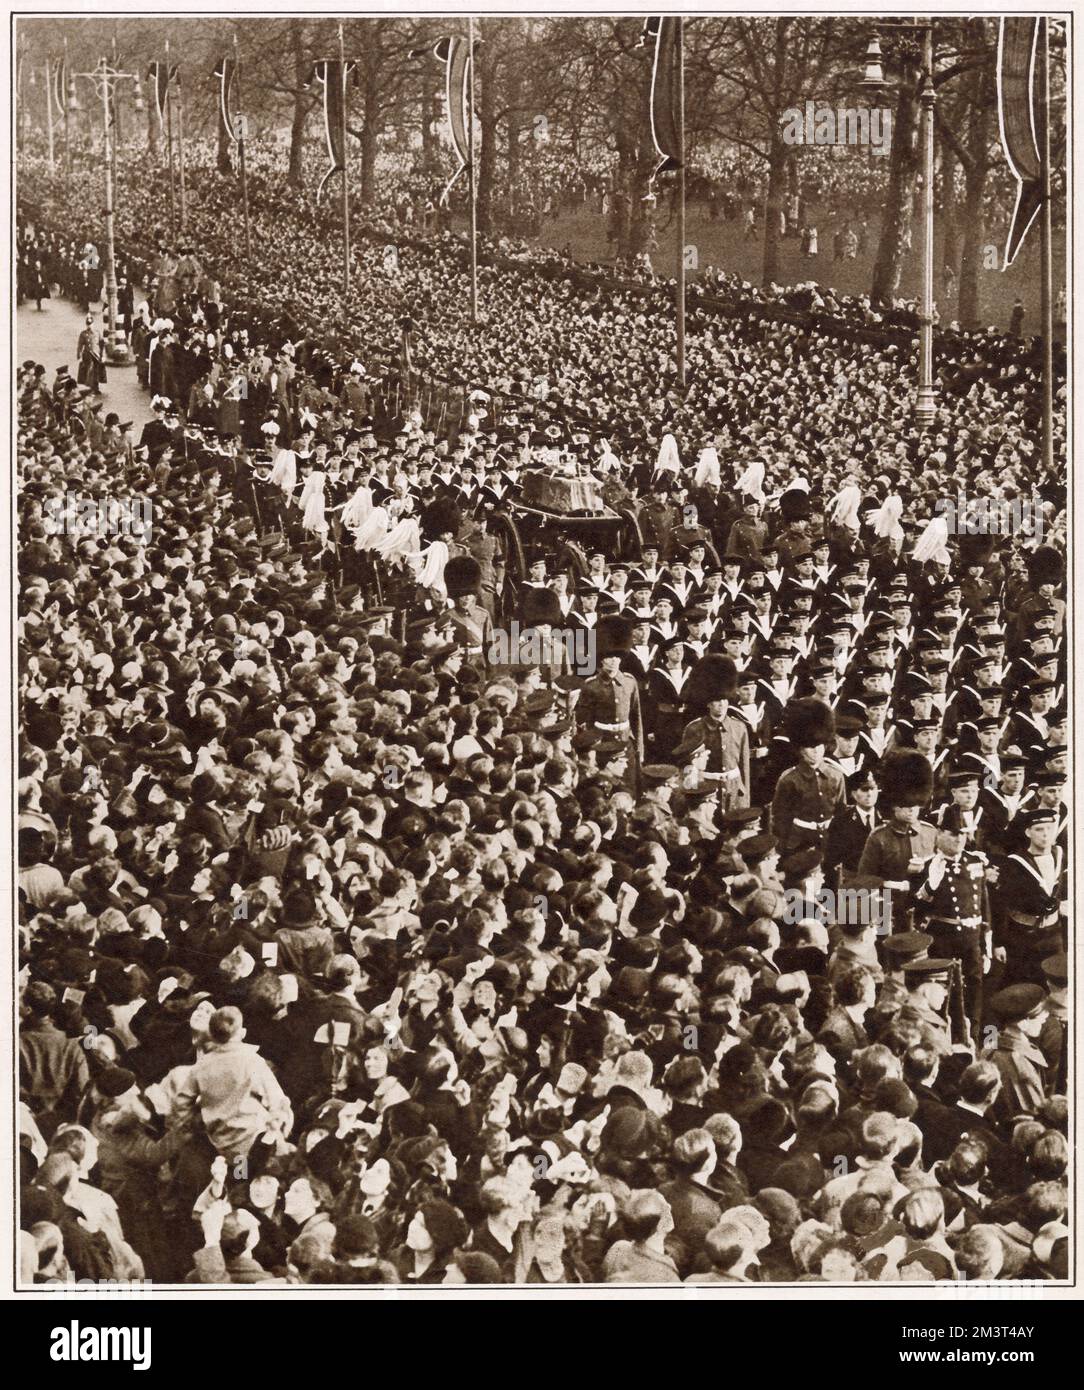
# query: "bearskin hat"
975,550
462,575
905,778
541,606
613,635
808,722
440,518
794,504
1045,566
713,677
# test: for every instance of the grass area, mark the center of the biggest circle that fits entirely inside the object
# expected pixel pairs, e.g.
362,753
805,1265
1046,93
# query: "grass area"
725,244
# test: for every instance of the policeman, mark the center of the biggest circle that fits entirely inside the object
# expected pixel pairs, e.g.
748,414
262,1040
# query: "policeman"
808,794
953,894
1021,1012
929,989
711,687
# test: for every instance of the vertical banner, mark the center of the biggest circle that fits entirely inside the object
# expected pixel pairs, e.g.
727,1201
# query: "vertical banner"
455,55
59,85
334,75
664,81
225,73
160,76
1019,117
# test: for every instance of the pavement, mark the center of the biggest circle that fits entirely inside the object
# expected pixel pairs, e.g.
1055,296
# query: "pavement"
50,338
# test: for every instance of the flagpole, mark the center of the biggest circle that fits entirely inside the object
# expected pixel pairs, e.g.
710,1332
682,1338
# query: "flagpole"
346,176
49,99
681,203
472,186
1046,228
169,150
242,130
180,144
67,135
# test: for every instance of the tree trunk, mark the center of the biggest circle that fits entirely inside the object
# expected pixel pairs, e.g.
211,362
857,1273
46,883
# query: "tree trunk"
777,186
898,212
369,132
977,173
950,230
294,175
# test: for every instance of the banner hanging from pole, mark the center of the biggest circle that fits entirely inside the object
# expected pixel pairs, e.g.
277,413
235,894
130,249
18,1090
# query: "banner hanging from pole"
664,80
59,85
225,73
1019,115
161,75
455,55
334,75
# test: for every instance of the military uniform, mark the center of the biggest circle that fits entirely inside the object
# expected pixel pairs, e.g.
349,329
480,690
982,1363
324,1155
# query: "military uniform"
727,741
958,917
1030,890
846,839
886,856
805,801
611,705
472,629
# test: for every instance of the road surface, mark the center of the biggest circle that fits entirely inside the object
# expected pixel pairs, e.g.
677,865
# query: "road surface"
50,338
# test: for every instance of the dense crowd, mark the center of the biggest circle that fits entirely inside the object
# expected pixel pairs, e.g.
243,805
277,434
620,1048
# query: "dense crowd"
369,934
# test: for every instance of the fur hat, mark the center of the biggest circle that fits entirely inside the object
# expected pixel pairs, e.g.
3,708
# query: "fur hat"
713,677
808,722
541,606
794,504
614,636
441,517
905,778
975,550
1046,566
462,575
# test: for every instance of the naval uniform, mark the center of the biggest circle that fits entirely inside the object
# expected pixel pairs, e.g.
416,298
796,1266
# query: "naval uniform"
958,917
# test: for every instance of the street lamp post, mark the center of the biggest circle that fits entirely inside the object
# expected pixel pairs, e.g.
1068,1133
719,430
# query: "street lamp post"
873,81
105,78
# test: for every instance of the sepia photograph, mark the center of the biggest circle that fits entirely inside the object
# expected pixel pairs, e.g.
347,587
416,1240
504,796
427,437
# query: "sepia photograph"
541,705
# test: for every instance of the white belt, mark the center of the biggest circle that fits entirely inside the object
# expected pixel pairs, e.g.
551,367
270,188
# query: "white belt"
810,824
612,728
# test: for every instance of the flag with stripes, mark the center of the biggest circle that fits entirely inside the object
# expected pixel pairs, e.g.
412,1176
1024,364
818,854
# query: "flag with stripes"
225,73
664,75
1020,114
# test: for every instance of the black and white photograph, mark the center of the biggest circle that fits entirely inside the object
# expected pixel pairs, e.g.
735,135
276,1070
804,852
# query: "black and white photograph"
541,661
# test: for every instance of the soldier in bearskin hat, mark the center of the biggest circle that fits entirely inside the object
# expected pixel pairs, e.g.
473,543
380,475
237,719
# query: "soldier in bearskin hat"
808,794
709,690
899,849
